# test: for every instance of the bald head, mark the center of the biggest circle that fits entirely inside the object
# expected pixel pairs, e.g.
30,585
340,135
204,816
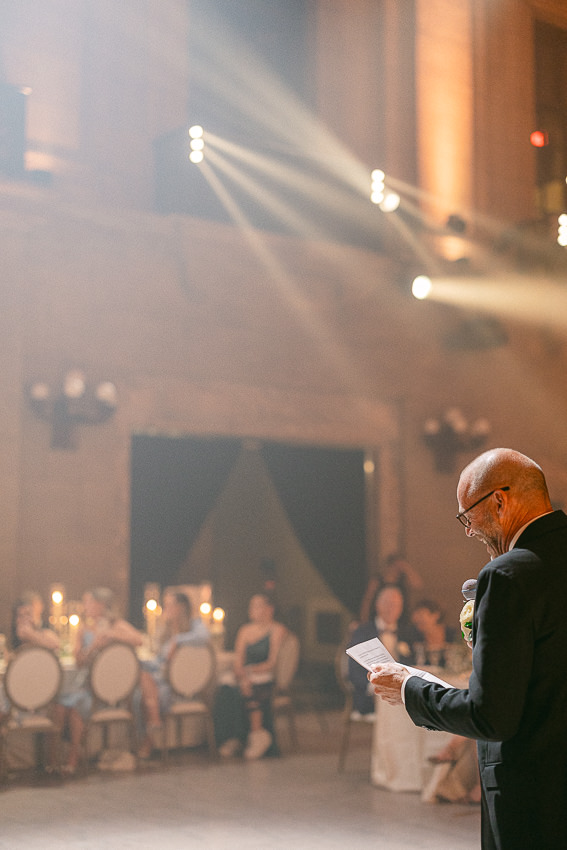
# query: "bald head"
505,467
501,513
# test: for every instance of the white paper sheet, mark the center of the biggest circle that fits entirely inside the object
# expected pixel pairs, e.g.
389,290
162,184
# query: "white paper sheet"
371,652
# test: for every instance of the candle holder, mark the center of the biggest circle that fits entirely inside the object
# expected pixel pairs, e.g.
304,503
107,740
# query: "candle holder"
57,611
73,623
152,611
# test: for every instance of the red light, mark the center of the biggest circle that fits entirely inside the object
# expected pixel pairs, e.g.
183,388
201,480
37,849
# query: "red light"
539,138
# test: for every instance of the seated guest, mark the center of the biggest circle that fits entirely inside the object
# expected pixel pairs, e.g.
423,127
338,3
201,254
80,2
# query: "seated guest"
100,626
396,571
178,628
398,638
433,646
27,629
456,778
27,623
243,712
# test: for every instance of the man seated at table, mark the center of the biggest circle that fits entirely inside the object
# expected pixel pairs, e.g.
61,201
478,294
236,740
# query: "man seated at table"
396,634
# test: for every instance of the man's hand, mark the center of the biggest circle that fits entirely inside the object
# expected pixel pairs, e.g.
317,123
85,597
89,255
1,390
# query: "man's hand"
387,681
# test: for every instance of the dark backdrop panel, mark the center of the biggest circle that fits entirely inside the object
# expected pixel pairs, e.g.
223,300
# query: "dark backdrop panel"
177,481
175,484
323,492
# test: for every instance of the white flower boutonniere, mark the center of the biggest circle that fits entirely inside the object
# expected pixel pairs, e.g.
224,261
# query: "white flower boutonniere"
466,619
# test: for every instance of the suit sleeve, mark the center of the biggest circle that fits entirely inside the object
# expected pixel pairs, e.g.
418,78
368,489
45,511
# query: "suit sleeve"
491,708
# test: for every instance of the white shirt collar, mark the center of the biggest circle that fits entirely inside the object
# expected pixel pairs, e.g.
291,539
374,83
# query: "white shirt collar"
382,626
523,528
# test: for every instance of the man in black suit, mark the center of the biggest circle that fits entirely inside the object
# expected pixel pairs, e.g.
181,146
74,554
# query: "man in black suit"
516,702
389,625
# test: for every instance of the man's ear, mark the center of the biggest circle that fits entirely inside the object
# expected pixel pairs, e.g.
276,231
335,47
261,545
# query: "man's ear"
500,499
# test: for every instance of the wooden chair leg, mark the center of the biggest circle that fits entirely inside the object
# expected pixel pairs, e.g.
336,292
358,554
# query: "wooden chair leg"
55,754
292,728
211,739
3,759
133,737
165,742
344,741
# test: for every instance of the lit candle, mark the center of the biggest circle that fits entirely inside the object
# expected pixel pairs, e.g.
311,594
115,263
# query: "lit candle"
56,615
217,629
152,610
205,609
72,628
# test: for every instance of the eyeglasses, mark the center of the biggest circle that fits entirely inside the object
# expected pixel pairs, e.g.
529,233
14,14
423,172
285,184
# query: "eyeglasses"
464,520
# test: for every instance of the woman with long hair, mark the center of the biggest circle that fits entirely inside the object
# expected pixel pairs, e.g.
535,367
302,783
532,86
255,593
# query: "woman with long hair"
100,626
178,627
243,712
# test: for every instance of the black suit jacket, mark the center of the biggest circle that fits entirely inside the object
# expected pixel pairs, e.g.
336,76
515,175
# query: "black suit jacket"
516,703
406,634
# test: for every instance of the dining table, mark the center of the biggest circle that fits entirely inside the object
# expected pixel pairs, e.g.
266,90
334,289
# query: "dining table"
401,752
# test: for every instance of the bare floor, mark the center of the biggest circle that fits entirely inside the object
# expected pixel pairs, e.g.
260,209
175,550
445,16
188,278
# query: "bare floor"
298,801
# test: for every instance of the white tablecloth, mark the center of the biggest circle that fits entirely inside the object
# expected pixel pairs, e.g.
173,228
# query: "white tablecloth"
400,750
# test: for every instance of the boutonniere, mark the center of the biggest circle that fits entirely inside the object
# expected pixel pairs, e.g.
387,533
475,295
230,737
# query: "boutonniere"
466,618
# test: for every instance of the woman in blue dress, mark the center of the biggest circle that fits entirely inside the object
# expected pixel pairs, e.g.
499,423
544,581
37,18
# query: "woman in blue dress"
242,712
27,629
100,626
179,628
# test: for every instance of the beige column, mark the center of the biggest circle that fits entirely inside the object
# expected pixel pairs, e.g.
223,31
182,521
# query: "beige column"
504,178
444,82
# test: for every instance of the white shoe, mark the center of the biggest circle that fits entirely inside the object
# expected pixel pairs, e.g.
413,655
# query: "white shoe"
258,743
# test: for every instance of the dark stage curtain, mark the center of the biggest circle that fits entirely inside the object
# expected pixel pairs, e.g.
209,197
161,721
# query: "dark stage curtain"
175,484
322,491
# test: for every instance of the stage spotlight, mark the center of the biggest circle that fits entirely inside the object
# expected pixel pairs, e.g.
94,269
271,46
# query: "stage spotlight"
562,230
421,287
390,202
197,144
377,187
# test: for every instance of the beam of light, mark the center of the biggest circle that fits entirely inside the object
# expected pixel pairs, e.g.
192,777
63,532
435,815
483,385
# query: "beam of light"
330,197
230,70
421,196
270,201
420,251
345,368
270,164
245,82
228,67
359,270
530,301
362,283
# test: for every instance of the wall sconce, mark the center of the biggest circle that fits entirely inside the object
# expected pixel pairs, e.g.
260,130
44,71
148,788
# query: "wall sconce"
74,404
451,434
